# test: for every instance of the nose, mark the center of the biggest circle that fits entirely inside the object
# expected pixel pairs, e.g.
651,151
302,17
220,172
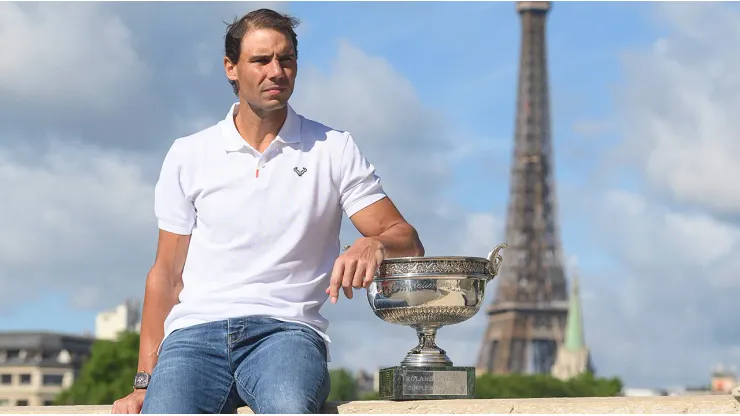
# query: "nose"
275,69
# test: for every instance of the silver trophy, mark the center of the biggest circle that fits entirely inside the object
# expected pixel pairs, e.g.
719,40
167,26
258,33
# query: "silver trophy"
427,293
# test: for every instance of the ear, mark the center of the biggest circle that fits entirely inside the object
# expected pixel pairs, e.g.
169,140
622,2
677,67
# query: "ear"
230,69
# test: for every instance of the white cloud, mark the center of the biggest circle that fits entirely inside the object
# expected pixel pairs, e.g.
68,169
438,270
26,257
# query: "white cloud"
678,102
658,311
651,236
669,300
405,140
480,234
77,220
67,54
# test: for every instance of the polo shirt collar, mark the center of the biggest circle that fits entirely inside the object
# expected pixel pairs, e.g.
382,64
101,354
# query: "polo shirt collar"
290,132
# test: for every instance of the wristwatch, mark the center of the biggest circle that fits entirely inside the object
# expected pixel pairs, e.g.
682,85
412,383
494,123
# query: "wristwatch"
141,380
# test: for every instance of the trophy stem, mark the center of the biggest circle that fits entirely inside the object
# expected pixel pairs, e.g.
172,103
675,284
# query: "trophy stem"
427,353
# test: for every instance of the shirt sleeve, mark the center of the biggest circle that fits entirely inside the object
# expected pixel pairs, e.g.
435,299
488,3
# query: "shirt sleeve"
175,212
359,186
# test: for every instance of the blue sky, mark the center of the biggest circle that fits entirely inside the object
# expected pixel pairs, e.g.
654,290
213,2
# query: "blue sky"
431,77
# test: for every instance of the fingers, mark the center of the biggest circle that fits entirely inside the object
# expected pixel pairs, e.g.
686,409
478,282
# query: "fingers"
369,274
126,406
131,404
350,265
139,405
355,268
336,280
359,275
349,274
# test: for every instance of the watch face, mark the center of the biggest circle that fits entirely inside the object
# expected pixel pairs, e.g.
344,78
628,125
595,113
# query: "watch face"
141,380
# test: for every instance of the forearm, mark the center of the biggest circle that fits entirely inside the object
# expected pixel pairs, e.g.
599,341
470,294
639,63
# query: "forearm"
161,294
401,240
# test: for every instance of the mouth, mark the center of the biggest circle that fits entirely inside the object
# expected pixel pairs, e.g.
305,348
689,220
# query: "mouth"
274,90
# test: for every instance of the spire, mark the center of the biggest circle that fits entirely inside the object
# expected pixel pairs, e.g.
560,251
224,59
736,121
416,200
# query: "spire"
573,357
574,339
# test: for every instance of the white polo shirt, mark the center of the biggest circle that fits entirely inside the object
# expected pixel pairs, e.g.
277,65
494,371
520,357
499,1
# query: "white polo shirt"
265,227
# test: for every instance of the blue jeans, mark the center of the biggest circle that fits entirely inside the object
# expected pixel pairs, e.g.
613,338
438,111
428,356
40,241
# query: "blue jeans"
216,367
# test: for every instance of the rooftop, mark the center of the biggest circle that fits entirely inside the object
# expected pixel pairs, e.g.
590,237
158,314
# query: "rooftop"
44,340
43,349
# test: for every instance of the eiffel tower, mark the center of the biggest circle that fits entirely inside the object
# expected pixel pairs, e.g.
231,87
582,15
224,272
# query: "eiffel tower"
528,315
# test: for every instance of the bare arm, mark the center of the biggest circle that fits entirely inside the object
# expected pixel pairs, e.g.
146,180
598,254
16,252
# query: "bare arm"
386,234
163,286
383,222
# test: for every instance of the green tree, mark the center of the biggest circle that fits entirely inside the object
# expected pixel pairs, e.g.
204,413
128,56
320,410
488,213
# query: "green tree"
343,386
587,385
107,375
490,386
371,395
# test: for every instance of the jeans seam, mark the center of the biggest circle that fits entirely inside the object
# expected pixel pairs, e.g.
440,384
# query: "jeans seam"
246,390
228,346
226,397
236,379
319,404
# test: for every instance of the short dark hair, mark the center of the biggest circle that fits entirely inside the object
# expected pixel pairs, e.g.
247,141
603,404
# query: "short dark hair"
257,19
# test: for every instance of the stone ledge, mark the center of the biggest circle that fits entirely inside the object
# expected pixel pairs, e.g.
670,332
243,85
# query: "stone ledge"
665,404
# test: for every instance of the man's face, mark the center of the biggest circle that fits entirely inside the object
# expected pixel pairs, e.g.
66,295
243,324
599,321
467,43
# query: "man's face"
266,70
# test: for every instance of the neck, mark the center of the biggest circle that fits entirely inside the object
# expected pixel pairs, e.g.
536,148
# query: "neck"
259,128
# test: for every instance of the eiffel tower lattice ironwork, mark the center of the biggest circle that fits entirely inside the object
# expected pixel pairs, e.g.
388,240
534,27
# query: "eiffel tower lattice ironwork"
527,318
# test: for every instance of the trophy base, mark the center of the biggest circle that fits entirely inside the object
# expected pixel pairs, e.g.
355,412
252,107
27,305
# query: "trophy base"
426,383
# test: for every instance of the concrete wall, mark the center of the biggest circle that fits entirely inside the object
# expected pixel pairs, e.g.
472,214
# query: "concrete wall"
668,404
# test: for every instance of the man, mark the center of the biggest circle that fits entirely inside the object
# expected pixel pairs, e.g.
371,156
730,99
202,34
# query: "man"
249,212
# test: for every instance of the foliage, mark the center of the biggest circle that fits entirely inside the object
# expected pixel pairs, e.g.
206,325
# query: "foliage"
107,375
371,395
343,386
490,386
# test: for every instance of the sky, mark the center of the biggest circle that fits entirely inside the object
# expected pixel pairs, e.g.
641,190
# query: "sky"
643,97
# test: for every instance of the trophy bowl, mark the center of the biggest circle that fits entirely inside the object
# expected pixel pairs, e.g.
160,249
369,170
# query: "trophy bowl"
427,293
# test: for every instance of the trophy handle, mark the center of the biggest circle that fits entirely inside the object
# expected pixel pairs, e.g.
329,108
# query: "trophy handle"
495,260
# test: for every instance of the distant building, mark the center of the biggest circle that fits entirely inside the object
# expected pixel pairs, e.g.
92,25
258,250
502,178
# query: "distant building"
125,317
36,366
723,380
573,357
365,383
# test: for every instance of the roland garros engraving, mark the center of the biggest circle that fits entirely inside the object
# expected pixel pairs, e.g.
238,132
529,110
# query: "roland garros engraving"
468,267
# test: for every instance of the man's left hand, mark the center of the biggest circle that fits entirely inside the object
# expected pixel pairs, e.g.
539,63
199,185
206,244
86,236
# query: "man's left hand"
355,268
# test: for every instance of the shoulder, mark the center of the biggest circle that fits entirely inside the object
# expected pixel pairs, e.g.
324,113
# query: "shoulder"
317,133
197,141
184,149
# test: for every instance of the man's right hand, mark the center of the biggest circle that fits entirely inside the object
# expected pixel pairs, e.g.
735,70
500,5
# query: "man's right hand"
130,404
